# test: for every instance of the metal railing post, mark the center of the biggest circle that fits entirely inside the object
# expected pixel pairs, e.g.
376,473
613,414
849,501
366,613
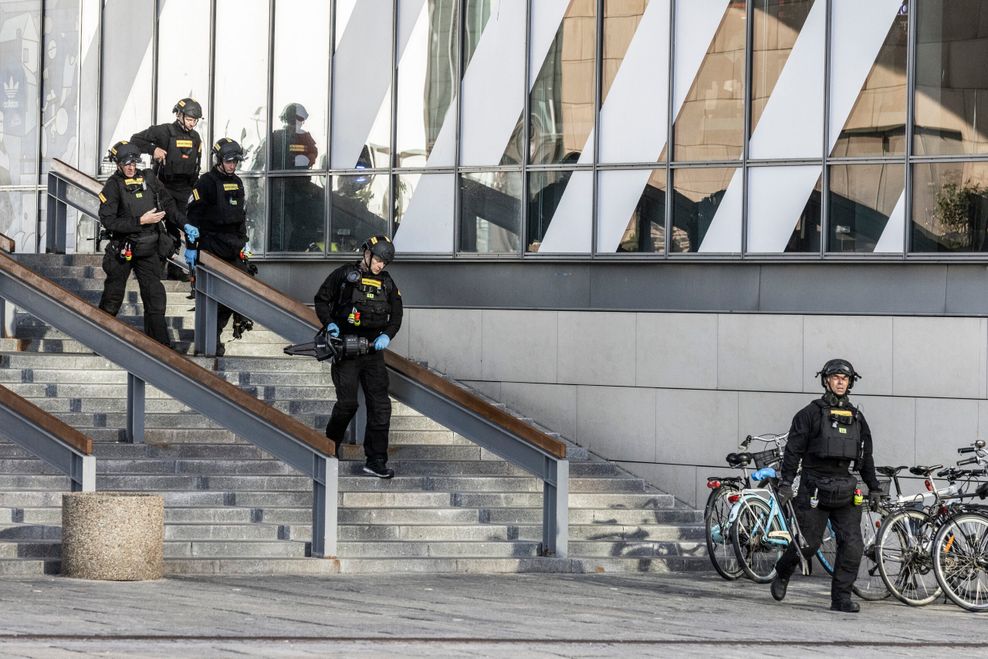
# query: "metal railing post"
555,509
83,473
135,409
56,216
205,316
325,495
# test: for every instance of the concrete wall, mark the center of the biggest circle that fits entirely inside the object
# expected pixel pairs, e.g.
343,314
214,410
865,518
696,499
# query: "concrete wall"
667,395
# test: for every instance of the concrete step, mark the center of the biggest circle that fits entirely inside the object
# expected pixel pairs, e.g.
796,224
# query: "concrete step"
24,567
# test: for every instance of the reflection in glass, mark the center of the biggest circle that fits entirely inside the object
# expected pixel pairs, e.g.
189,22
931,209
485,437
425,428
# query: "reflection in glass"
256,210
876,125
426,82
861,200
424,212
19,103
621,19
241,68
297,214
561,104
545,191
951,87
126,72
950,207
490,212
475,17
301,47
710,124
776,25
806,236
61,81
646,230
360,209
183,54
405,187
18,217
697,193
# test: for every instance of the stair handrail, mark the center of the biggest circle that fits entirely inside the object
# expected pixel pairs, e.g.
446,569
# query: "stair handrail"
146,360
40,433
422,389
61,178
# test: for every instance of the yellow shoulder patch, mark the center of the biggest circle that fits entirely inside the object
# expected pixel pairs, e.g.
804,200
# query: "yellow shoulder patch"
195,193
102,198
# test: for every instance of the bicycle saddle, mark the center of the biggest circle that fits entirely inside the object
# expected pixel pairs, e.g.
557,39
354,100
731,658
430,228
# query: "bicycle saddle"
890,471
924,471
738,459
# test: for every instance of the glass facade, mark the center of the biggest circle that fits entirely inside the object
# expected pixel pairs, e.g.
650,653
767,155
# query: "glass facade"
513,128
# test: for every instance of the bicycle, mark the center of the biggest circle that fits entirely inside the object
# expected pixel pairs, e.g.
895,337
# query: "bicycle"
724,491
960,546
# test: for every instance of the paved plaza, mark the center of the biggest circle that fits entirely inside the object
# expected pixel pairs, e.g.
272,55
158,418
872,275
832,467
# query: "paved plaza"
463,615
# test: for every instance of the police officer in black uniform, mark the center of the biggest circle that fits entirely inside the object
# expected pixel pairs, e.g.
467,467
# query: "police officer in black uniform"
218,223
362,299
133,205
830,436
176,150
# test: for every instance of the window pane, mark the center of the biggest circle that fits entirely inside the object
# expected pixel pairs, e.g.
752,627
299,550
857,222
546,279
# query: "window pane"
183,60
561,104
571,232
951,77
490,212
241,75
776,26
301,82
493,87
360,209
868,78
362,83
637,222
862,200
256,211
621,20
18,217
950,207
784,209
61,81
710,123
424,212
698,194
427,84
297,214
126,73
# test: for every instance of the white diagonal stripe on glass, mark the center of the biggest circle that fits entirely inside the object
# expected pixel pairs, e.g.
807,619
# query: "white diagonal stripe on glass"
724,233
891,241
776,198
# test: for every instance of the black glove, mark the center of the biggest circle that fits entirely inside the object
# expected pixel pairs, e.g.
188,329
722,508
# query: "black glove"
874,499
784,493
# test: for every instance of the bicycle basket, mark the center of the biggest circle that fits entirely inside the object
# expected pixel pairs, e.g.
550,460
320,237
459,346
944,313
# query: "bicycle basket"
883,486
766,458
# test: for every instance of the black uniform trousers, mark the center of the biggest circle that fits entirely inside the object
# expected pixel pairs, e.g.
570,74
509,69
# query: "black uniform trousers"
181,196
148,272
369,372
846,523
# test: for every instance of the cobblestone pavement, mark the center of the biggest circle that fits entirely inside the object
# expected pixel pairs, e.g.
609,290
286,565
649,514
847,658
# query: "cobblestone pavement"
464,615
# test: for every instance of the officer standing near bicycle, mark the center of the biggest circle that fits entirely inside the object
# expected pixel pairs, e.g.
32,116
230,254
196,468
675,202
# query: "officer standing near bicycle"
176,150
831,437
362,299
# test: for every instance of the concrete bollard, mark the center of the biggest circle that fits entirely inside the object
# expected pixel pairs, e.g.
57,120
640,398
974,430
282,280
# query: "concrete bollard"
113,536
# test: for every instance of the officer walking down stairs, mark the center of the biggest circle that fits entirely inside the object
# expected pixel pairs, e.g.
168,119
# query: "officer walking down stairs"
361,299
831,437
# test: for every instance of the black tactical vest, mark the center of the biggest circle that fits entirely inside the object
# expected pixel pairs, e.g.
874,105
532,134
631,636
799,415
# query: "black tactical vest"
182,160
229,202
137,198
366,300
840,433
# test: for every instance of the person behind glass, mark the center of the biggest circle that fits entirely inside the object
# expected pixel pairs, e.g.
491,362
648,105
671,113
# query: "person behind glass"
176,150
362,299
218,222
133,205
831,437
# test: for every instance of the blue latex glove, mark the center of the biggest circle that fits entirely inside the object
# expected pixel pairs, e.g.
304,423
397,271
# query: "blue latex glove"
333,329
191,233
190,256
763,473
381,342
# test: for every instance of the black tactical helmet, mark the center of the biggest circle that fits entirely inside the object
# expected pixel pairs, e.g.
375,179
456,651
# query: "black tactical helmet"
124,153
381,247
189,107
293,110
226,150
835,366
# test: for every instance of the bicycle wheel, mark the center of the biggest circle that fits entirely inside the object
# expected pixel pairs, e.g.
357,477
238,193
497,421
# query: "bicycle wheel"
869,584
960,560
756,557
826,555
903,551
719,548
